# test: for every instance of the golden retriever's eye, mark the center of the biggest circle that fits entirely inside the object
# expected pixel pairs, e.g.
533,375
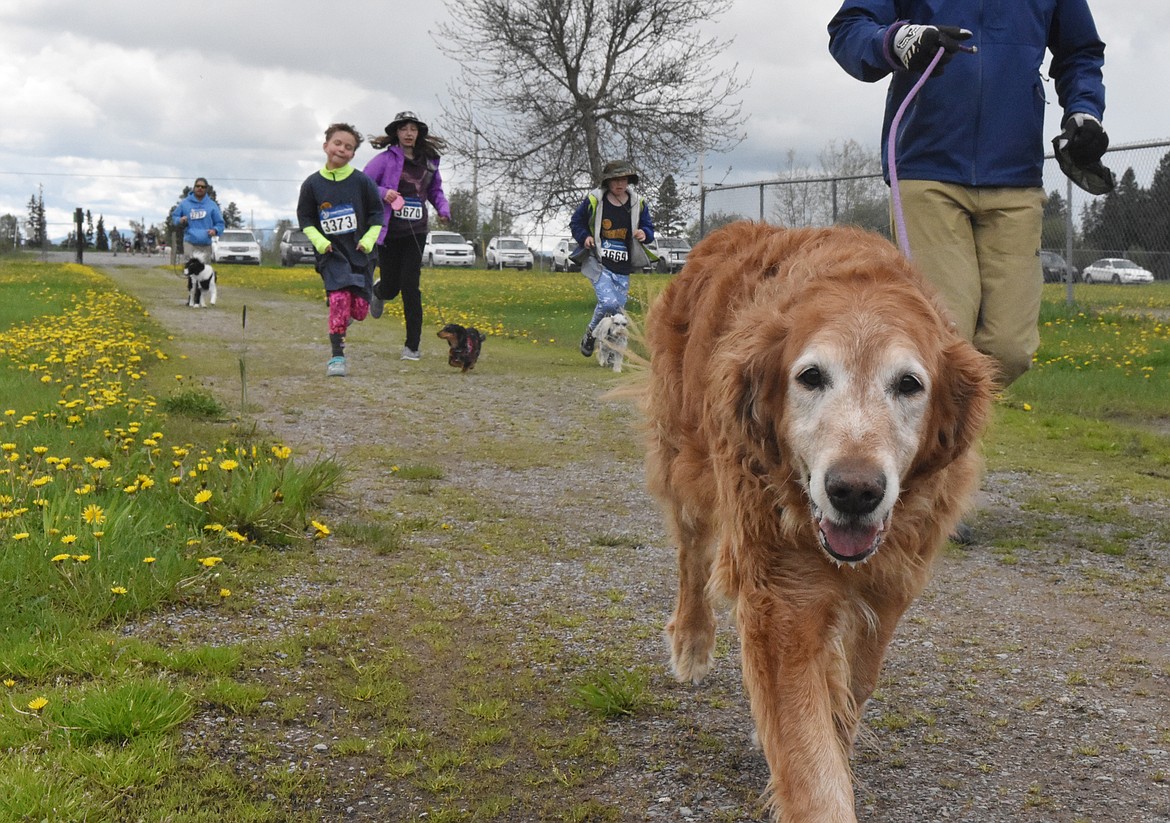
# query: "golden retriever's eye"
908,385
811,378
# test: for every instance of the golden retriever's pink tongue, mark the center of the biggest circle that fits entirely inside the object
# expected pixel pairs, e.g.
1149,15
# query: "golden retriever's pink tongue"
848,542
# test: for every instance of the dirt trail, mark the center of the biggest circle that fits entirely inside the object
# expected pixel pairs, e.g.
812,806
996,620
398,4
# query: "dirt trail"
1031,691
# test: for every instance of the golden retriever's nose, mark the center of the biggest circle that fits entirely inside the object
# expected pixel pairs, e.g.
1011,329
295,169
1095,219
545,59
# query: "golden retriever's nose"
855,487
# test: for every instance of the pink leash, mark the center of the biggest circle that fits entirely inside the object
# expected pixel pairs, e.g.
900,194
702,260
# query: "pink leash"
891,141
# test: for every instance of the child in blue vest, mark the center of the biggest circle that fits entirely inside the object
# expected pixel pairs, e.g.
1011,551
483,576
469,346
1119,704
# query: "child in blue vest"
612,223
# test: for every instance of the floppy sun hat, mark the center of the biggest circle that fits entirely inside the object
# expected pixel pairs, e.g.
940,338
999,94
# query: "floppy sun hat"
619,168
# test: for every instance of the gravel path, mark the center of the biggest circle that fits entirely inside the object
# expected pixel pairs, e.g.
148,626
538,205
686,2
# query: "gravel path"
1034,690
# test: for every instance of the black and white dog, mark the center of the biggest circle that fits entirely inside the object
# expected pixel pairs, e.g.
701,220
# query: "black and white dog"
200,282
612,335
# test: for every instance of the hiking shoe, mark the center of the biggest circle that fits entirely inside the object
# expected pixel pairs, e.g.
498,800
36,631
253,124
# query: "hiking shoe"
410,354
335,367
587,344
376,304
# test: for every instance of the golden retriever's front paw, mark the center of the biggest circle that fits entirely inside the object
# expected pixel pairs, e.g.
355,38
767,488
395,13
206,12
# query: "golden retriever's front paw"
691,657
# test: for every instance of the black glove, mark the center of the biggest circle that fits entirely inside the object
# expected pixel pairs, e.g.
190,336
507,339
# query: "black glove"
1078,149
1087,140
915,46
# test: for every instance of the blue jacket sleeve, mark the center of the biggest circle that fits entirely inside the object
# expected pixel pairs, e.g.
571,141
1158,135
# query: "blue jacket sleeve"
1077,57
858,36
579,222
645,223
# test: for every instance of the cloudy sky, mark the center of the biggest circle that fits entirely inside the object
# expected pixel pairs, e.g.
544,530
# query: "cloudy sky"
114,106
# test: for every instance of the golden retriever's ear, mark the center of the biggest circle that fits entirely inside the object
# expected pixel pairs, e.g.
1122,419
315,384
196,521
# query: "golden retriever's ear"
748,397
960,406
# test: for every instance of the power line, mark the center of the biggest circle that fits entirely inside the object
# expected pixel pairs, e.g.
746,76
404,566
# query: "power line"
147,177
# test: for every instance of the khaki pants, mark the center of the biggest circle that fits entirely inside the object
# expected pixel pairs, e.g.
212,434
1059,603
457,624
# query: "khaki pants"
980,247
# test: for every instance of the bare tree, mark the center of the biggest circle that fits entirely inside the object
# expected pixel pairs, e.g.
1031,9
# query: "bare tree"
555,88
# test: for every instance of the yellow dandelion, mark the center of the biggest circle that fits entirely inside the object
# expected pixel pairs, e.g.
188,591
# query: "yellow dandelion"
94,515
213,527
10,682
148,559
44,480
100,463
40,449
57,558
229,465
210,562
225,592
8,447
99,535
81,558
235,535
1027,407
203,496
282,452
174,481
69,539
119,590
20,536
37,703
321,530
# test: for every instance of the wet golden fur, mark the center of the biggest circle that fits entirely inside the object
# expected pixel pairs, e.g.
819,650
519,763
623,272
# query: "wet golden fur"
797,378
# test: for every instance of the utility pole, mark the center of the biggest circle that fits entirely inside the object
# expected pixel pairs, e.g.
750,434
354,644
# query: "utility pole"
475,186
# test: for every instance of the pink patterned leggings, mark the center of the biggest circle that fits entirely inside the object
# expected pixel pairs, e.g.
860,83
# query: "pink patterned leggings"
343,305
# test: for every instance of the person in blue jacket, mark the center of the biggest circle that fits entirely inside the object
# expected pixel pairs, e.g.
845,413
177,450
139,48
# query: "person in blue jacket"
970,148
200,218
612,224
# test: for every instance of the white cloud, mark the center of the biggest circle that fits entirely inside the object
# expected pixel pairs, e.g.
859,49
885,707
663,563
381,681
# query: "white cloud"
116,106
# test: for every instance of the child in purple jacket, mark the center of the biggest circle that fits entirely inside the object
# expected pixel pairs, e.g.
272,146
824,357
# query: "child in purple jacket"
407,177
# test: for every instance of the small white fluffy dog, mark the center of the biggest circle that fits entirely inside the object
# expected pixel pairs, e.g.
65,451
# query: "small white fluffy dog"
612,335
200,282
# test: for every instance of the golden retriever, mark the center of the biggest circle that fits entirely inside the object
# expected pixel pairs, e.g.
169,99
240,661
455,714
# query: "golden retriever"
812,419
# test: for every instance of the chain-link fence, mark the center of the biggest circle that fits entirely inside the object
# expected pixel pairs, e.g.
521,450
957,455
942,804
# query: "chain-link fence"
1132,222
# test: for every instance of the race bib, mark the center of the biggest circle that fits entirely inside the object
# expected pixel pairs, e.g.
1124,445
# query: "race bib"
340,219
197,214
614,250
412,209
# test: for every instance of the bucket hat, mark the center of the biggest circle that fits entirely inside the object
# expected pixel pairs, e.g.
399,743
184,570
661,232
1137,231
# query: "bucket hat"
404,117
619,168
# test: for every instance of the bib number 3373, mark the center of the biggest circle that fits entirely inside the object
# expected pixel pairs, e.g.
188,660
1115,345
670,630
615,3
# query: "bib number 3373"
339,219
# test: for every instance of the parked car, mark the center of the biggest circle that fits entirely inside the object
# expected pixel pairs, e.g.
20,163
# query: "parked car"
672,253
1055,269
561,259
295,248
504,252
448,248
235,246
1116,270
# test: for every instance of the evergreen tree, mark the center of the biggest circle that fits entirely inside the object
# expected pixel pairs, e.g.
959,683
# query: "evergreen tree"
1052,233
38,229
102,242
9,233
463,213
669,217
232,219
88,228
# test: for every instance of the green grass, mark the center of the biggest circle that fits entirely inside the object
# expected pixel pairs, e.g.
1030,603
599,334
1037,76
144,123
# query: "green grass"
482,716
